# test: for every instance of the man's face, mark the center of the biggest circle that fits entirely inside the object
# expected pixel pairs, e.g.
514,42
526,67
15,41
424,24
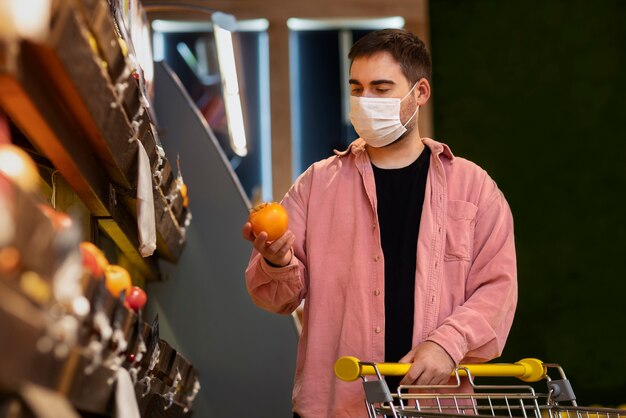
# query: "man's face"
380,75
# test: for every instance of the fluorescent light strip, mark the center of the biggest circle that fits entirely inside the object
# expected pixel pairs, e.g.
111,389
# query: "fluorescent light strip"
253,25
232,101
173,26
345,23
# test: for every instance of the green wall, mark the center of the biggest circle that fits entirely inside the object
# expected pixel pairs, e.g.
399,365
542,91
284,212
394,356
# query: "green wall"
534,92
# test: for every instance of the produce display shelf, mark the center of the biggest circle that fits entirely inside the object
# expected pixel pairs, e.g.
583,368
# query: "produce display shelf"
60,93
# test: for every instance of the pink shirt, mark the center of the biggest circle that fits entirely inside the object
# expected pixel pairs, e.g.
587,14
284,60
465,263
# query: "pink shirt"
465,279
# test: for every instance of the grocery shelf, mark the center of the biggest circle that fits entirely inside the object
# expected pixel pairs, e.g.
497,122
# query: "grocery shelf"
62,95
77,104
21,320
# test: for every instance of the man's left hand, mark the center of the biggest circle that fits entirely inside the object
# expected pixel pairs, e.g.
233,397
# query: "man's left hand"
432,365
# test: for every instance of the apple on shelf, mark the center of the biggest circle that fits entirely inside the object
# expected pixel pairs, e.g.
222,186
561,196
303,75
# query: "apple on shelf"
136,299
60,220
94,259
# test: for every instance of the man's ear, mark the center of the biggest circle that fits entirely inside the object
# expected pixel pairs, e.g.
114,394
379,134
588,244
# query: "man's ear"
422,92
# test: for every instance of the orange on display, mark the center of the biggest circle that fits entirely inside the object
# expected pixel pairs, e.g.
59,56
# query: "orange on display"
17,165
9,260
184,193
117,279
270,218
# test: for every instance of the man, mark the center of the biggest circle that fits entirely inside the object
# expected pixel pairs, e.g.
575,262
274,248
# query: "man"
401,251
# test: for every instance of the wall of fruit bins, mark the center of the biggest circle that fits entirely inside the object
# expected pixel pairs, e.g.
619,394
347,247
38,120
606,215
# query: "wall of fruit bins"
75,110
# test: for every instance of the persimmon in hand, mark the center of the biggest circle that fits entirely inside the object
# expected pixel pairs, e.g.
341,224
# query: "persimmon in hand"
270,218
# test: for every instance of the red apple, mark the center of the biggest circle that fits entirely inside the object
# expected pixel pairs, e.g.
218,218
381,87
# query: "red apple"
60,220
90,262
93,259
136,298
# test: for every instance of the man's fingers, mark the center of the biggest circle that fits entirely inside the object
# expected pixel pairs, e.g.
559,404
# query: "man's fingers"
420,375
428,378
442,379
260,243
431,365
246,232
413,375
275,251
407,359
286,246
276,245
414,370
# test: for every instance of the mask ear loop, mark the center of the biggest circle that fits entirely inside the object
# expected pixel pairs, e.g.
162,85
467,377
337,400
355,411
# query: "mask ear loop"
412,116
416,107
410,91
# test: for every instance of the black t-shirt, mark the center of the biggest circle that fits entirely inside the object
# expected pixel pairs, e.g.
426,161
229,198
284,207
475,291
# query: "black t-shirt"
400,195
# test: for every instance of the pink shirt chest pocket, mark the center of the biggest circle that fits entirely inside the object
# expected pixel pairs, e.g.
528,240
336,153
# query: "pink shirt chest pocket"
460,224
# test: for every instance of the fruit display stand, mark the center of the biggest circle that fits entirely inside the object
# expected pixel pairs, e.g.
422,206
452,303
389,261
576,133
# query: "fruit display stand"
82,114
76,102
73,345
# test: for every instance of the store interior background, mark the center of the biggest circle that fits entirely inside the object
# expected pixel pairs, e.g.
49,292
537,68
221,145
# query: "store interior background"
531,91
534,93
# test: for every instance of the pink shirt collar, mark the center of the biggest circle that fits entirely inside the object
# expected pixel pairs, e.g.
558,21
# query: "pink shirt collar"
437,148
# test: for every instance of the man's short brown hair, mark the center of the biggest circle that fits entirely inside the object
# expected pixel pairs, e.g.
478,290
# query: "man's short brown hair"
406,48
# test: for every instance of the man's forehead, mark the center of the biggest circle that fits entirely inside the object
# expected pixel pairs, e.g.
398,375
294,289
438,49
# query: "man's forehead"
376,67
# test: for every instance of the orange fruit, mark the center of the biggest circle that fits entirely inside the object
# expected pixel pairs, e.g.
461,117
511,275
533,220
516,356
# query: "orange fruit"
270,218
184,194
17,165
117,279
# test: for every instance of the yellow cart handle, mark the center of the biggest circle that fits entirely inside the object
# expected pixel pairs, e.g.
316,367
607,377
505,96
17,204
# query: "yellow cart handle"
529,369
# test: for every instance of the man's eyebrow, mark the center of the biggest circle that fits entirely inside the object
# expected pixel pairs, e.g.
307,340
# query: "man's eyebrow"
373,83
377,82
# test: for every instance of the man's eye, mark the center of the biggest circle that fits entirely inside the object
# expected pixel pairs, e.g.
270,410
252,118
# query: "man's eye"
382,90
356,90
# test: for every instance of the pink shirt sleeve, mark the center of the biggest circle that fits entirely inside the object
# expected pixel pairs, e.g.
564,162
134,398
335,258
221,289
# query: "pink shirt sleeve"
275,289
281,289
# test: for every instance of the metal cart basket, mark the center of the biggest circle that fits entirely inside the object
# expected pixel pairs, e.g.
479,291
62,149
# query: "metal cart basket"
558,401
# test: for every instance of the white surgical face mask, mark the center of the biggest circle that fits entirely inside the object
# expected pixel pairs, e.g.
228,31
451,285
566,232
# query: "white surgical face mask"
377,119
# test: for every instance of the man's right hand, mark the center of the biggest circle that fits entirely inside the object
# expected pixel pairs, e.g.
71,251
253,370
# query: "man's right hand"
277,252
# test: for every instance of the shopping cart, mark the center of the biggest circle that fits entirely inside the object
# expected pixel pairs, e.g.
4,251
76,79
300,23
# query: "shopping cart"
558,401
